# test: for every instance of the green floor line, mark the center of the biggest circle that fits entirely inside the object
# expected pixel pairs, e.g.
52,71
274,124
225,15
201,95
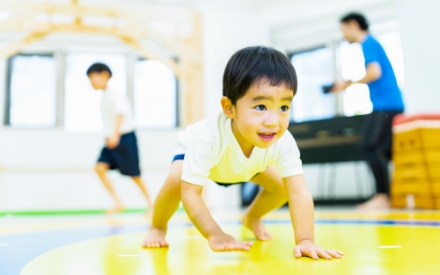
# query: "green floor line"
70,212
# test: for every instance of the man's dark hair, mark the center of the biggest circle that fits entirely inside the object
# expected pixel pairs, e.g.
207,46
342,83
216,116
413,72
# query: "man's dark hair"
252,64
359,18
99,68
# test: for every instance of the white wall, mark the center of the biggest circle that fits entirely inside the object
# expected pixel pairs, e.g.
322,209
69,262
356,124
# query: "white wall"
301,25
421,40
226,28
52,169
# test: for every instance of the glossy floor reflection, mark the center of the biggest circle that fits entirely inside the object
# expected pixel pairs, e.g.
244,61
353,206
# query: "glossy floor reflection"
374,243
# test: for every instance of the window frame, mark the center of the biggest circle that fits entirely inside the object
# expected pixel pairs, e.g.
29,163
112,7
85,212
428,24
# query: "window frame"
335,70
8,92
59,57
176,103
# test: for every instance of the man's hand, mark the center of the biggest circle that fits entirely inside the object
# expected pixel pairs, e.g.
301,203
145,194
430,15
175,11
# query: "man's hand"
223,242
113,141
309,249
340,86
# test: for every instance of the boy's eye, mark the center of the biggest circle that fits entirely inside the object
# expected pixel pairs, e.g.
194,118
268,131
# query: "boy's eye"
284,108
260,108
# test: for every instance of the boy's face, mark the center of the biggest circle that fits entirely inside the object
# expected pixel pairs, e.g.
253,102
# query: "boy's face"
99,80
261,116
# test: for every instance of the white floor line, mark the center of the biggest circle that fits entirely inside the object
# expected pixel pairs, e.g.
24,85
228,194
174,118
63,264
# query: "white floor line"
185,237
390,246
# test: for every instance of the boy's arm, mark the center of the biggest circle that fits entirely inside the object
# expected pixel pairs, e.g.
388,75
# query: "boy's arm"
113,140
301,213
203,221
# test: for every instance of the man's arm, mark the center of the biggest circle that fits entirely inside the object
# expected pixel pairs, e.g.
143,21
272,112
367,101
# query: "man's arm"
302,215
203,221
113,140
373,73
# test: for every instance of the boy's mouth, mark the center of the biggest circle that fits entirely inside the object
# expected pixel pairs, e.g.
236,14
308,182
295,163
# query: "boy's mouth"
266,136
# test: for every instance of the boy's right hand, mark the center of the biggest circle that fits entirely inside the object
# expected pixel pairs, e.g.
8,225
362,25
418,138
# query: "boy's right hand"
224,242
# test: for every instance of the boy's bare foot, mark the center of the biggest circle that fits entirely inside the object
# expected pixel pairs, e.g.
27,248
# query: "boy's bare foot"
155,238
223,242
115,209
257,227
379,201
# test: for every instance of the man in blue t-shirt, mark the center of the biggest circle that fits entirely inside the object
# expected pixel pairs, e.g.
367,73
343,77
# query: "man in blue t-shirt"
387,103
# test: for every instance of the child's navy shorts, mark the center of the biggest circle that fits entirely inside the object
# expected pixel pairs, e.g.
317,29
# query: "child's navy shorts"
182,157
124,157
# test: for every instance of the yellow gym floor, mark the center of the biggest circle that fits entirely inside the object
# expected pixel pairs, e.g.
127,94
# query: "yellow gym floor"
392,242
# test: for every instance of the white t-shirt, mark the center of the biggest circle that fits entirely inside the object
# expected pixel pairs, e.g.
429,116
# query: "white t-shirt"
212,152
112,105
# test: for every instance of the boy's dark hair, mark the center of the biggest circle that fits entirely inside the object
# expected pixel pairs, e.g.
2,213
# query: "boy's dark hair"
99,68
359,18
252,64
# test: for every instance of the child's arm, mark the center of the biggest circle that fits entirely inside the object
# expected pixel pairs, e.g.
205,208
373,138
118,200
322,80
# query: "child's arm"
301,213
113,140
203,221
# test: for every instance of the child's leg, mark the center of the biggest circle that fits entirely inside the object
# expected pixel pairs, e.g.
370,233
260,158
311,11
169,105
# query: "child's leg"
101,169
140,183
165,204
270,198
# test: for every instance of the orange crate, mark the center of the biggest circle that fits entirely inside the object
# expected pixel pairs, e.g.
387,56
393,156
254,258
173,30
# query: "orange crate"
430,137
425,155
410,171
435,185
424,189
434,169
437,202
422,137
419,202
398,202
407,140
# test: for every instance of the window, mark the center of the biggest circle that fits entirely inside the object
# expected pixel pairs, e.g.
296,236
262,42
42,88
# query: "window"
32,92
356,98
155,95
314,69
82,102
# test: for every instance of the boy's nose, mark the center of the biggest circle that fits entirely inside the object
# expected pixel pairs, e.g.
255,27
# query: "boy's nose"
271,121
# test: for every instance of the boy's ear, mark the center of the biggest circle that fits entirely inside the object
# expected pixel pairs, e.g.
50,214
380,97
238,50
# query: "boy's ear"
228,108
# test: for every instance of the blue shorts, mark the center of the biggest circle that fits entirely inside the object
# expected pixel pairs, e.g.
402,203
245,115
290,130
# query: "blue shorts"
182,157
124,157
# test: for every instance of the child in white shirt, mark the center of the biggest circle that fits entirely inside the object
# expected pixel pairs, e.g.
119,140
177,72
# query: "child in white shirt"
246,142
121,150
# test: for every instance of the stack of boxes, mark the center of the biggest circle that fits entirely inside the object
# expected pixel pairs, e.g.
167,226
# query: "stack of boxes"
416,155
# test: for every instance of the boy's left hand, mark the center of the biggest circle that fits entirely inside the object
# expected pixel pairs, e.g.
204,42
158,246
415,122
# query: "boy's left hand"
309,249
113,141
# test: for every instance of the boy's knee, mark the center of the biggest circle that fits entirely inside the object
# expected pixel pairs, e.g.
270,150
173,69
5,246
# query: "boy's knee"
176,182
276,189
100,169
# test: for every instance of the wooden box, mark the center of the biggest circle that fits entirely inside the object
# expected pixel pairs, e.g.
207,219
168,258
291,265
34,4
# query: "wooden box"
421,155
423,137
419,202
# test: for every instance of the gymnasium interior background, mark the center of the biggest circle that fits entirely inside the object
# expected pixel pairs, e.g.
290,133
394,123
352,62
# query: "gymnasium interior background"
47,160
